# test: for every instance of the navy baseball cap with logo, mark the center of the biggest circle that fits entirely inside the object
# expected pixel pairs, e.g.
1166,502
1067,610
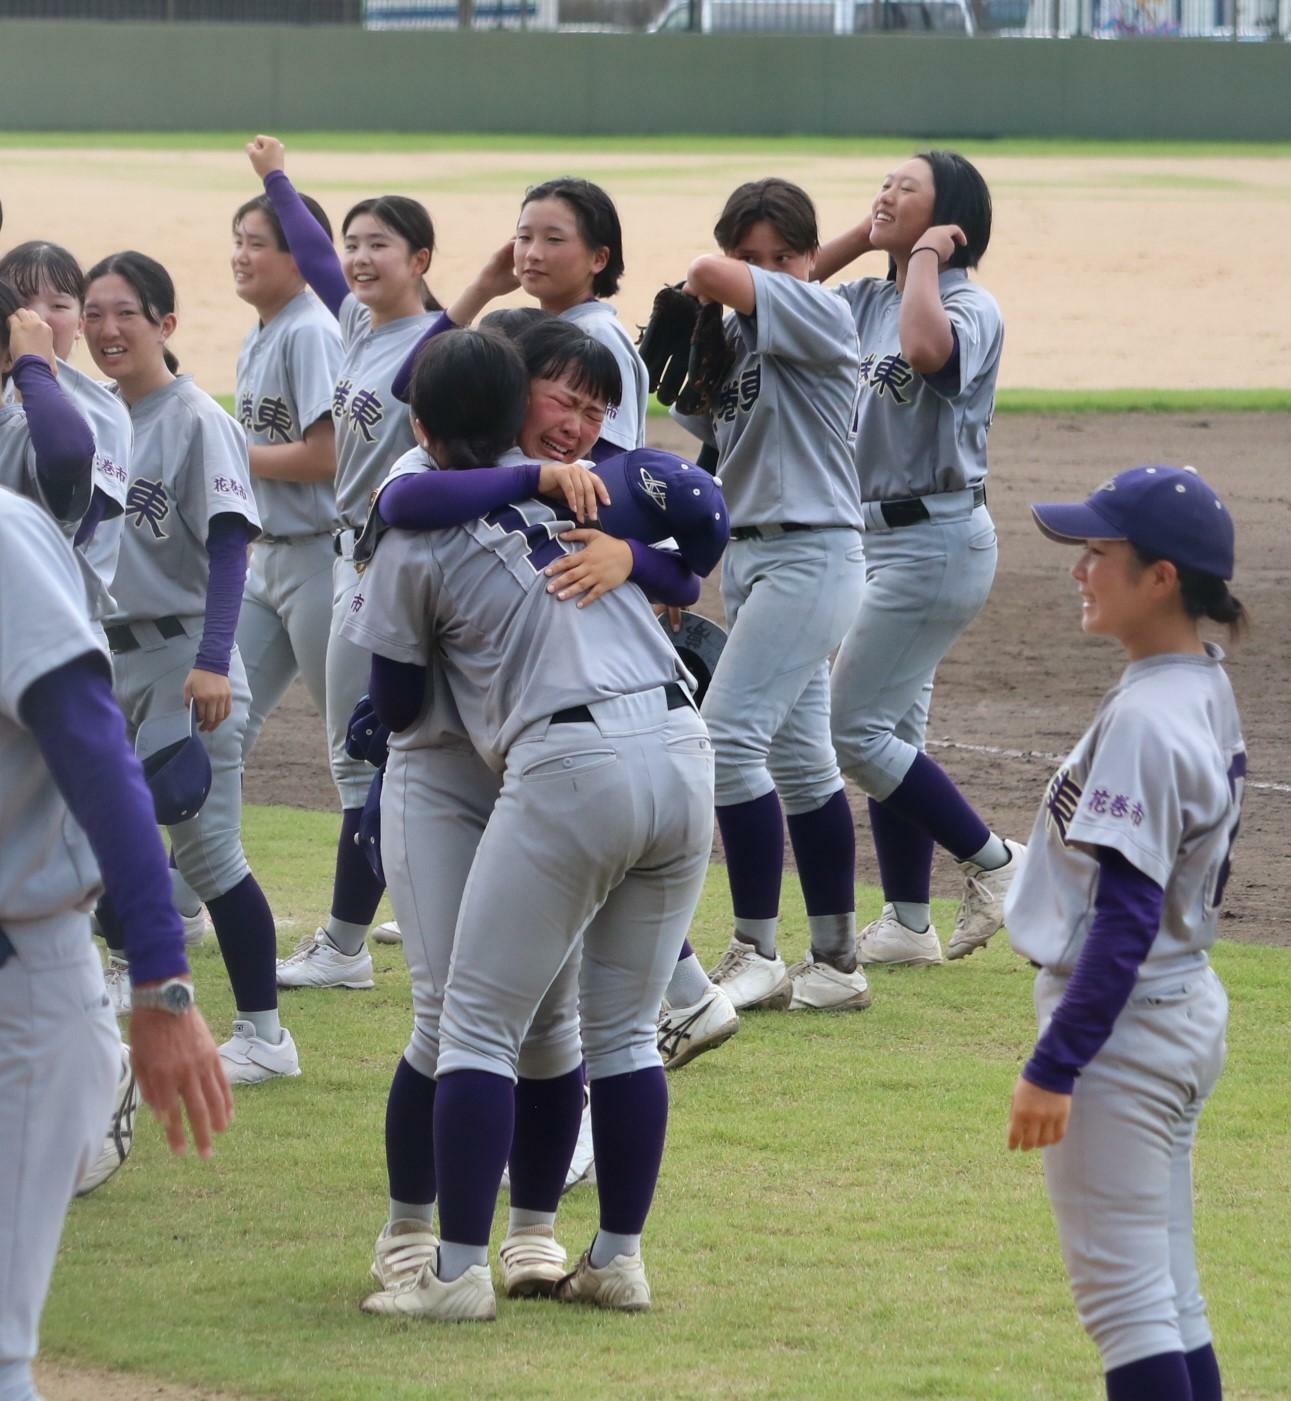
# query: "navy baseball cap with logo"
1169,512
656,496
175,765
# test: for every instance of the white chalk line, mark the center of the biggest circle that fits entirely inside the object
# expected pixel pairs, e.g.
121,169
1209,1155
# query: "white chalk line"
1039,754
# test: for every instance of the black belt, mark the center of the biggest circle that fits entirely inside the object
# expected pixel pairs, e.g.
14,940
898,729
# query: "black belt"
754,532
581,715
121,638
913,512
264,538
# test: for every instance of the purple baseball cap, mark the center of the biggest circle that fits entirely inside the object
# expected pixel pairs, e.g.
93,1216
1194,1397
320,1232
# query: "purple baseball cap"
656,495
175,764
1169,512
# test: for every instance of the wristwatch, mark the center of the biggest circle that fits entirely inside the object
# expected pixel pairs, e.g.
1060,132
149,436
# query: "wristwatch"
175,996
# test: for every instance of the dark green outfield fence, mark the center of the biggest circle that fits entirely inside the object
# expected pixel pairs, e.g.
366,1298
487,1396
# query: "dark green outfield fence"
132,76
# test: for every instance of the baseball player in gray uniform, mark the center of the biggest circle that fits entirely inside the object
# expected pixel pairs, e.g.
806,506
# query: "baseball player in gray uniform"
50,282
73,802
930,342
378,296
1117,902
178,589
791,584
578,709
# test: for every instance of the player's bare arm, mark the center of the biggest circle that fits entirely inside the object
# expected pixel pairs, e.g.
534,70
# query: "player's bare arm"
714,278
495,279
313,459
835,255
927,340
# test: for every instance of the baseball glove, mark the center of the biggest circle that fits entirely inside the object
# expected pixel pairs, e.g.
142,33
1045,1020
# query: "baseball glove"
665,341
711,358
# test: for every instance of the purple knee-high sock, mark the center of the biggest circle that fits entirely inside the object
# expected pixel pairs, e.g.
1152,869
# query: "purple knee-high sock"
629,1125
548,1116
753,836
824,845
474,1121
356,892
244,927
410,1127
1160,1378
1203,1373
927,796
904,852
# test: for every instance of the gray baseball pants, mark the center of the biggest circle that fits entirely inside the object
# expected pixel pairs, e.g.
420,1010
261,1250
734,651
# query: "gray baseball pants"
348,668
602,830
1120,1182
924,584
60,1054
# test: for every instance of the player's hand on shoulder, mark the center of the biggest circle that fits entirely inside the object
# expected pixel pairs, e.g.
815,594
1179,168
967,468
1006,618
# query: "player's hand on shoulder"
603,564
29,335
267,154
179,1070
212,694
574,484
1037,1118
945,238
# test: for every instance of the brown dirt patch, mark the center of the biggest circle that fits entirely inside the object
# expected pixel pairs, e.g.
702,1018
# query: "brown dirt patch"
1024,677
62,1383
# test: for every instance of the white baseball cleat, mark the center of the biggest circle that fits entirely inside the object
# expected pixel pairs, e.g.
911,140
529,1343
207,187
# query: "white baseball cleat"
887,940
750,980
466,1299
316,962
116,978
388,933
249,1060
981,906
619,1285
195,927
820,987
533,1262
687,1032
120,1138
582,1166
402,1248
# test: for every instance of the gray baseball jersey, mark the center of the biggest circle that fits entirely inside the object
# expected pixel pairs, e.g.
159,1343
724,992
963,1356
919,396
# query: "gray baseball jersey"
46,865
785,418
624,422
513,654
918,436
287,373
372,427
1158,777
189,466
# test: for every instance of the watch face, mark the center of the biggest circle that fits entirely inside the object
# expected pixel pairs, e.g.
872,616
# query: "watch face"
178,997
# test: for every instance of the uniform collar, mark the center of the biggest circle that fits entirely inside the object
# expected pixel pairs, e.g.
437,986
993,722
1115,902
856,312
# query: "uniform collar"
1214,656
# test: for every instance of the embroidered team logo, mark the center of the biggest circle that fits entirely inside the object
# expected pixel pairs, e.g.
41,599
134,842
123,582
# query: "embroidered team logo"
655,489
1061,800
887,374
363,409
147,504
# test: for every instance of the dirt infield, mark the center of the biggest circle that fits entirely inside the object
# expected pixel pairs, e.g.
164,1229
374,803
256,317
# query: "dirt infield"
1111,270
1024,679
63,1383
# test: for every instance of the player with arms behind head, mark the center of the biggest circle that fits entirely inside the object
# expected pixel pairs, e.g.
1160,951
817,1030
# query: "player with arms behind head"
1117,902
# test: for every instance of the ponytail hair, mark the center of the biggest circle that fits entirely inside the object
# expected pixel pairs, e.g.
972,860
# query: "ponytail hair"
150,282
1205,596
407,219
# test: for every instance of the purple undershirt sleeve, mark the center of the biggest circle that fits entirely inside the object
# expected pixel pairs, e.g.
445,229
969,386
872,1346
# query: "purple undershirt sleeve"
226,545
402,382
433,500
60,438
1127,915
663,576
81,733
946,380
308,242
92,519
397,690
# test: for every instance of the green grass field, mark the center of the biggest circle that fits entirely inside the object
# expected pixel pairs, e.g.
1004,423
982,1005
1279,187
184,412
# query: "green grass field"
837,1215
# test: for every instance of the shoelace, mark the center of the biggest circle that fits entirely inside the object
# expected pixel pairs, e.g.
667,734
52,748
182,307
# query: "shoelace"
730,962
975,893
303,949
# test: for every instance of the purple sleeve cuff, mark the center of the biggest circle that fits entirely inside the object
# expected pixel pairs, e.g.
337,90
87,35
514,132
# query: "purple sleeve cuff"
92,519
1127,916
433,500
308,242
663,576
226,546
81,733
397,690
402,382
60,438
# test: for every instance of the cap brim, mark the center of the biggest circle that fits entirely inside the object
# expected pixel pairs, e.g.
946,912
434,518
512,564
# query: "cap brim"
1069,523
